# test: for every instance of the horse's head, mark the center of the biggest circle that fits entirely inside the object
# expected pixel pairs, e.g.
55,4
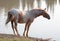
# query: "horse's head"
45,14
10,17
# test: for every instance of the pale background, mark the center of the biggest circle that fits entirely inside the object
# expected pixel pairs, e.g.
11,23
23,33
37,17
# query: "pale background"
41,27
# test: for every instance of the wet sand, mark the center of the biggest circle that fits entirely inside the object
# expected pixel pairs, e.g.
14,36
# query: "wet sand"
11,37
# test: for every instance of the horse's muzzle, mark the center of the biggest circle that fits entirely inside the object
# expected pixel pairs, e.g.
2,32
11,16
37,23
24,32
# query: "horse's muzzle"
49,18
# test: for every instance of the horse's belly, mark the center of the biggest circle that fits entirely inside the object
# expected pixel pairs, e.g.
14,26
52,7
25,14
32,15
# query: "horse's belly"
23,20
20,22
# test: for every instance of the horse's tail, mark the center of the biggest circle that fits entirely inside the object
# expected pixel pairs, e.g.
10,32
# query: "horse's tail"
8,18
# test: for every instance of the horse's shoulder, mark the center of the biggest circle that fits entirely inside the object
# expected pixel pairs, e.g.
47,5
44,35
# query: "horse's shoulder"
21,12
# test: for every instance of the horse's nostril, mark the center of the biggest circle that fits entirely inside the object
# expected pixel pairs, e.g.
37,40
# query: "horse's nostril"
49,18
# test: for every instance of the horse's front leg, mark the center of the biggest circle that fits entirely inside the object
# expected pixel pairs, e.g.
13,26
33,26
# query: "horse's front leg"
28,25
13,27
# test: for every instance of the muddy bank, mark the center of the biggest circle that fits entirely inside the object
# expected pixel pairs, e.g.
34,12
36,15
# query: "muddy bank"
11,37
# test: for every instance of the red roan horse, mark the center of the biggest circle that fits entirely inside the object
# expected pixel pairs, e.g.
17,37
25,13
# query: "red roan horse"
16,16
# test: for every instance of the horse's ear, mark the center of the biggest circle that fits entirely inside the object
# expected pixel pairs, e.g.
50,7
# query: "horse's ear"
45,9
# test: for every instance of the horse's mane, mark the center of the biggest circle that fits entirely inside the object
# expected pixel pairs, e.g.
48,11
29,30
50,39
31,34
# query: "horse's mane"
37,9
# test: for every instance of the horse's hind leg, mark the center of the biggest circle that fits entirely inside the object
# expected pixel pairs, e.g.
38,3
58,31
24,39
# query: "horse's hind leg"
25,29
13,27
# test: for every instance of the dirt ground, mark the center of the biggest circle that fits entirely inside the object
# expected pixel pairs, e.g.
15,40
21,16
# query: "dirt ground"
10,37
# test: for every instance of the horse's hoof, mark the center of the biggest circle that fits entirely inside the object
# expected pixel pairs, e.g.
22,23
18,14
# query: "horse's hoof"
18,35
24,35
15,35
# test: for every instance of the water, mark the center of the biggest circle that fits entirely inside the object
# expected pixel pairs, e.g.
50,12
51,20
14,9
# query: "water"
41,27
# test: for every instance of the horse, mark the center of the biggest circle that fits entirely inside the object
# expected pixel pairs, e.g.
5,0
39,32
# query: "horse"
17,16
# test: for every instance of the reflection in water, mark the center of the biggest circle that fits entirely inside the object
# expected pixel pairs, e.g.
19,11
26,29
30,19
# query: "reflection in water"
23,3
51,3
8,4
59,1
35,2
30,4
39,3
2,20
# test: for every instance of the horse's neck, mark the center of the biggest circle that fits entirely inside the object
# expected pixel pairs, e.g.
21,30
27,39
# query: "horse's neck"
36,13
31,14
